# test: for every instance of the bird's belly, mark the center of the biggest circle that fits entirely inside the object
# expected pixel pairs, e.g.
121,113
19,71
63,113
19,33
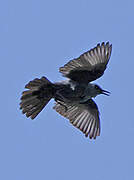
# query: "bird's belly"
69,95
84,99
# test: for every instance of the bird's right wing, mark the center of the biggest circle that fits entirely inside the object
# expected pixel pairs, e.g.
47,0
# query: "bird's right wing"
89,66
83,116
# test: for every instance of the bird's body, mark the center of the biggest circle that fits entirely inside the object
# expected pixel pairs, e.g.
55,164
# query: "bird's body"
74,96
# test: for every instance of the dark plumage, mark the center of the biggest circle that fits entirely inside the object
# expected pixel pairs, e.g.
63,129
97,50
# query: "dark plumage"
74,96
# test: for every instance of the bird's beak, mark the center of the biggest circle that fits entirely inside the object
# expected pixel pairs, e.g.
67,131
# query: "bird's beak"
107,93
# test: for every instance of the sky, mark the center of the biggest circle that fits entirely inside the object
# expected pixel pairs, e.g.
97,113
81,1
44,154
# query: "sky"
36,38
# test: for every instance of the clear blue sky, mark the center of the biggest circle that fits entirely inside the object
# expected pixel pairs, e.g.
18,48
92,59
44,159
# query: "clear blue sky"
36,38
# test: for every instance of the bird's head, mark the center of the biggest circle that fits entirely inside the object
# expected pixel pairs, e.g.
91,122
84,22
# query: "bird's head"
96,90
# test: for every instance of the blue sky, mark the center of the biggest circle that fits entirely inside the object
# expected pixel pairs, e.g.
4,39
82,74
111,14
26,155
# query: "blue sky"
36,38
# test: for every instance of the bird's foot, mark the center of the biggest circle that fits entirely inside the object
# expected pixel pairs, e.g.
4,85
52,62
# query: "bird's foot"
59,102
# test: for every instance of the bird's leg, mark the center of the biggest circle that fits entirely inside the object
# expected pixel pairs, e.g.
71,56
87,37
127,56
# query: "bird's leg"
63,106
60,99
59,102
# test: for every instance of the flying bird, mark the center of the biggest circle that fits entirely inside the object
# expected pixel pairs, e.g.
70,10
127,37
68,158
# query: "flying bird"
73,97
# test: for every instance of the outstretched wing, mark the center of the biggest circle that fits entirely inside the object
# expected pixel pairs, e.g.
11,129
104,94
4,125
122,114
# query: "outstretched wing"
83,116
89,66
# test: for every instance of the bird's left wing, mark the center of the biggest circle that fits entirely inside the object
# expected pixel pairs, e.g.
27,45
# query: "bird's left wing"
83,116
89,66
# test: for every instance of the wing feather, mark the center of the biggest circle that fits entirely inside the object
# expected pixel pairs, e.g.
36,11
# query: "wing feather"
83,116
89,66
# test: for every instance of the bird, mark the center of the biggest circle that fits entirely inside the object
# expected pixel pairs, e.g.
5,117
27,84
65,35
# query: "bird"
73,96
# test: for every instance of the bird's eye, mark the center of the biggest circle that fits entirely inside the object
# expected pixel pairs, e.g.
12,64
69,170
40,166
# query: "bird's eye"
96,87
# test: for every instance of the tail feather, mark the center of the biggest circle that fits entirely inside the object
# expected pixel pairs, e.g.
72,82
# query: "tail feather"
26,94
30,100
35,110
36,98
37,82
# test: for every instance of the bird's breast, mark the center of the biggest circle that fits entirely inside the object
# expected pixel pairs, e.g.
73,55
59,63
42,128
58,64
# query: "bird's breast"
70,93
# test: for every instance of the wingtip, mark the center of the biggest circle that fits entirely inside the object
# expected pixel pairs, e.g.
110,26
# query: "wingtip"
107,44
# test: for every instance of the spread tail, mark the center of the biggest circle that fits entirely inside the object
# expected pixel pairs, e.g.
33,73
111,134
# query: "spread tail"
36,98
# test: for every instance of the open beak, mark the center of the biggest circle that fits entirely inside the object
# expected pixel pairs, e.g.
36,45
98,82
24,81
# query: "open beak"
107,93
